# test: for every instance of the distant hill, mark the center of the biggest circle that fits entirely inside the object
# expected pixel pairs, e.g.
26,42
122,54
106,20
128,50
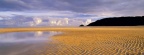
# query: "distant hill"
119,21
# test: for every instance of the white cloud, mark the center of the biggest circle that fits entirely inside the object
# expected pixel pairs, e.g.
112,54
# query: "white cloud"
1,18
37,20
51,13
88,21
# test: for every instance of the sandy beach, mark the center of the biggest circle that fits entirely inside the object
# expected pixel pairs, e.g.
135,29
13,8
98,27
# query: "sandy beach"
91,40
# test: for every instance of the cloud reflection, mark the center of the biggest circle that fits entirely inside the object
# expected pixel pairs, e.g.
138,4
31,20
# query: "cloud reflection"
24,43
26,36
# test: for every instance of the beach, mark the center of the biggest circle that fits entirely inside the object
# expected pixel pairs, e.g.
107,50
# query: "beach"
90,40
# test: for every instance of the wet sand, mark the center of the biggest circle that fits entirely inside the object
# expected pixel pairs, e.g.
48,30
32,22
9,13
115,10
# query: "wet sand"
91,40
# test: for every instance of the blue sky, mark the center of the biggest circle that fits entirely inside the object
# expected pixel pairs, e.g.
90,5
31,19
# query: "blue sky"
72,8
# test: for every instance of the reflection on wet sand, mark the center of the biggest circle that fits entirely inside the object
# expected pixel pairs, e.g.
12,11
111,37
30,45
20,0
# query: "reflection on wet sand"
24,43
38,33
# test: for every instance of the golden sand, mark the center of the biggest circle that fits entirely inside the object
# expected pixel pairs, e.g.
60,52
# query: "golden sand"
92,40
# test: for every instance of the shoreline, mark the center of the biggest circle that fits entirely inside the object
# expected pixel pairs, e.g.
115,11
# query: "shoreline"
70,28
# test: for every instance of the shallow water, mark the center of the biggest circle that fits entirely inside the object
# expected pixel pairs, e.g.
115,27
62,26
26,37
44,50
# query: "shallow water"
24,43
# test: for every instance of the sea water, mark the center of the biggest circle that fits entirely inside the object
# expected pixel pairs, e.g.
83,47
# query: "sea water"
23,43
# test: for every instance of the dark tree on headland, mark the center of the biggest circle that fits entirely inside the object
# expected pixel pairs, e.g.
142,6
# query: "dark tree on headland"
119,21
81,25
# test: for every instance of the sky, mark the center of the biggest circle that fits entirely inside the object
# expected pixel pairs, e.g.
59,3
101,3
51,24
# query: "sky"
72,8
